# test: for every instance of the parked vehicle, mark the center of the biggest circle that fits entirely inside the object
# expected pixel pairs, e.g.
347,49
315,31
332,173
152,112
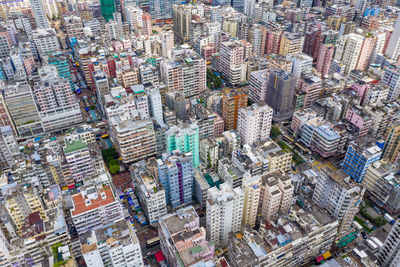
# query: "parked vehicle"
364,235
389,218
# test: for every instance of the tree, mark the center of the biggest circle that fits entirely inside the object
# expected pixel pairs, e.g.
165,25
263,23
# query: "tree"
275,132
113,166
109,154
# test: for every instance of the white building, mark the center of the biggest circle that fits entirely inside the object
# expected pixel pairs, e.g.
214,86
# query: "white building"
152,193
46,41
167,43
39,14
339,195
389,254
95,206
224,209
258,85
254,122
8,145
348,49
252,190
393,48
301,64
113,245
392,80
134,16
155,104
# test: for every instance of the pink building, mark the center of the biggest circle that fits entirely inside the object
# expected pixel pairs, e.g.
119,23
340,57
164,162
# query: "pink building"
324,59
366,51
359,119
312,87
218,125
146,23
361,90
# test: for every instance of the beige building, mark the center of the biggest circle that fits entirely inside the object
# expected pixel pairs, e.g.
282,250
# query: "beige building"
291,44
276,194
251,188
128,77
135,139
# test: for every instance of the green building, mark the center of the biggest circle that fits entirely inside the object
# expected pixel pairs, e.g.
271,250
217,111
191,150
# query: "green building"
186,139
61,63
107,9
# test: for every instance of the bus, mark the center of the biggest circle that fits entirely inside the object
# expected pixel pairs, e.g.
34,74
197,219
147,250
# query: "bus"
358,226
371,245
153,242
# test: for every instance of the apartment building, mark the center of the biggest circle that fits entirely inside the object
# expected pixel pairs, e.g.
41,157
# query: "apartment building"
95,206
391,78
79,160
340,196
391,150
46,41
254,122
21,203
360,155
185,72
74,26
276,195
382,185
348,49
300,237
389,255
232,101
128,76
251,186
224,210
114,244
231,62
184,138
135,139
175,173
151,190
258,85
291,44
57,105
182,240
8,146
23,110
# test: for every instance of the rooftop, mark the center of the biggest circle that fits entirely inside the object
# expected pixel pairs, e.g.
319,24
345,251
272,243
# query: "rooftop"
72,146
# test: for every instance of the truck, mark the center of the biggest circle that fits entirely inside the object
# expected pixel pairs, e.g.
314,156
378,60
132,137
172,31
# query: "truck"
389,218
371,245
377,242
357,225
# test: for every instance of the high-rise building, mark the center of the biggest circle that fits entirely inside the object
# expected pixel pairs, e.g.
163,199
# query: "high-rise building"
391,78
146,18
162,9
232,56
23,110
340,196
186,72
324,59
224,210
312,88
150,189
107,9
167,43
74,27
46,41
249,8
393,47
5,43
301,65
291,44
57,105
276,194
391,150
280,94
360,155
254,122
5,117
155,103
175,173
79,160
61,63
184,138
39,14
135,139
252,189
8,145
113,244
182,240
232,101
134,16
389,255
95,206
348,49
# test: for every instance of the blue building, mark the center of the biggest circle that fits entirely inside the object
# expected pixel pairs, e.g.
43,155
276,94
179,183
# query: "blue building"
175,173
359,156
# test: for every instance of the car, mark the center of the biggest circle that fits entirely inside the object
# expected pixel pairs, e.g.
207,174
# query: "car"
364,235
